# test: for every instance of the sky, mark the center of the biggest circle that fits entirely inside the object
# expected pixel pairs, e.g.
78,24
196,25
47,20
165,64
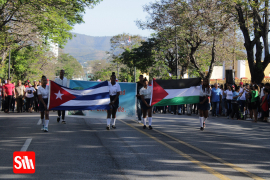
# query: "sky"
112,17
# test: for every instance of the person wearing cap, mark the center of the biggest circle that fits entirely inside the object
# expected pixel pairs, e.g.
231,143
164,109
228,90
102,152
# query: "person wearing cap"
216,96
63,82
9,92
19,96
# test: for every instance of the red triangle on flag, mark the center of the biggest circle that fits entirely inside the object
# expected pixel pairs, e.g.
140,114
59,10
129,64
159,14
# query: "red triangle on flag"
158,93
58,95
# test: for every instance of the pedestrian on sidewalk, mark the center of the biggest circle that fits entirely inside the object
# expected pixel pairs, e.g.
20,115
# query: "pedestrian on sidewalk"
9,92
216,96
145,93
264,105
235,103
63,82
229,97
255,99
43,94
203,106
114,90
20,89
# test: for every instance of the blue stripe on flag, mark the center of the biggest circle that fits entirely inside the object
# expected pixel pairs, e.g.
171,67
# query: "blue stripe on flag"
93,97
95,107
105,83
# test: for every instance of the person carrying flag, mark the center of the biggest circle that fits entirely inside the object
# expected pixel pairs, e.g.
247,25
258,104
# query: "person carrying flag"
63,82
114,90
43,94
145,93
203,106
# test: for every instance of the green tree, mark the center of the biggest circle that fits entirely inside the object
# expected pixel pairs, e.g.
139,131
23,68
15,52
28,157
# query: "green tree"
27,22
73,69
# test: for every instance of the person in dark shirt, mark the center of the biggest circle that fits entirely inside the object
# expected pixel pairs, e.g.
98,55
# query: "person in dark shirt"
139,100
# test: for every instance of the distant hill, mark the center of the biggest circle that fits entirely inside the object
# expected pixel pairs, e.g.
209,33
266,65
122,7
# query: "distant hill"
87,48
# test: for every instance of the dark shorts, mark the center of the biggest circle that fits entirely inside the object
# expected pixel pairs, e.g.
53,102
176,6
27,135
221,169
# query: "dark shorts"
205,106
143,105
265,113
254,105
115,105
41,106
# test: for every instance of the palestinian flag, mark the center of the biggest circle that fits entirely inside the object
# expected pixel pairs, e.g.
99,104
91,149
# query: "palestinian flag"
176,92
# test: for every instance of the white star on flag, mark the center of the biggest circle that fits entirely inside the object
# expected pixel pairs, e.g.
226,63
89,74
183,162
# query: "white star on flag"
59,95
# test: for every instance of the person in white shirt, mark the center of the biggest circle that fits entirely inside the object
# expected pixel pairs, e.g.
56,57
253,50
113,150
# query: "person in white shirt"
229,97
114,90
203,106
63,82
43,95
29,94
145,93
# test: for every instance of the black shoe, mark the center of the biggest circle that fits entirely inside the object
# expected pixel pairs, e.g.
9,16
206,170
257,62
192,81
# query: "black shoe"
144,127
113,126
150,127
179,114
58,119
202,129
108,127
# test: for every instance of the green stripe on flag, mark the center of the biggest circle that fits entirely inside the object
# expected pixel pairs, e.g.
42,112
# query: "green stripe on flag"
179,101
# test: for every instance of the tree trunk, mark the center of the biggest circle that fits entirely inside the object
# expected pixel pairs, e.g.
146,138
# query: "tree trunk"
212,60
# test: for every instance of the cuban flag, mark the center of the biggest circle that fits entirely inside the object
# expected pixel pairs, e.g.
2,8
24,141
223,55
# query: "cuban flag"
63,98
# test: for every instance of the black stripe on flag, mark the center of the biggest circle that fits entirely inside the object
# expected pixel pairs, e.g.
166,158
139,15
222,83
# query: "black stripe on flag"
179,83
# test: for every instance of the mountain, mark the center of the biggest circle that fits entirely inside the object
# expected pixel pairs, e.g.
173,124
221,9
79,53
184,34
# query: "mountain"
86,48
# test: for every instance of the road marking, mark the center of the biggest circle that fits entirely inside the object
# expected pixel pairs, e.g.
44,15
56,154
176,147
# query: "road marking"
205,167
39,122
26,144
235,167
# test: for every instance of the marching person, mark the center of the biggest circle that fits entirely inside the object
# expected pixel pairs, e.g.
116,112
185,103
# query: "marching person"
203,106
29,94
20,89
229,97
114,90
145,93
43,94
9,92
63,82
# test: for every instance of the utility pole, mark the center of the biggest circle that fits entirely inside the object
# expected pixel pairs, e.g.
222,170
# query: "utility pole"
176,55
9,65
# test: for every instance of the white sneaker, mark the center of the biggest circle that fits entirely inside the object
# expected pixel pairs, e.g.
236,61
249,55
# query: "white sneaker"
42,128
139,122
46,129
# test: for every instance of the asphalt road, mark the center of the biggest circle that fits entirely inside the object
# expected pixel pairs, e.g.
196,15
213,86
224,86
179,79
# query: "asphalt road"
174,149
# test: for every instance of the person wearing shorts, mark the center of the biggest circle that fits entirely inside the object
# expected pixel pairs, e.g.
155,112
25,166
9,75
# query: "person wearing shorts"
203,106
43,95
145,93
114,90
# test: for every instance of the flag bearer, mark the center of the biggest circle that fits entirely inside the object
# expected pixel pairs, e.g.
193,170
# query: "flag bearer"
43,94
145,93
203,105
114,90
63,82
